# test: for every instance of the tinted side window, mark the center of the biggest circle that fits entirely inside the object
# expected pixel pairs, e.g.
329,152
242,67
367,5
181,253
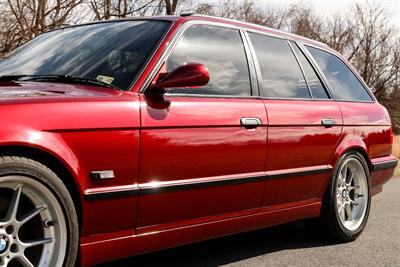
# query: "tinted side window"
342,82
314,83
222,52
281,74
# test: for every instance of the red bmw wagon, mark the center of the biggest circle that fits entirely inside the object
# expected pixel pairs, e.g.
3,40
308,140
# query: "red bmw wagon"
123,137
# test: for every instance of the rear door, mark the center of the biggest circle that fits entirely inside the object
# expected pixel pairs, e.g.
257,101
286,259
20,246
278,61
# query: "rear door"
203,150
304,122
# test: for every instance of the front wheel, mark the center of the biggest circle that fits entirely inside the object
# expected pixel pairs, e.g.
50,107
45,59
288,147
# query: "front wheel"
38,224
347,202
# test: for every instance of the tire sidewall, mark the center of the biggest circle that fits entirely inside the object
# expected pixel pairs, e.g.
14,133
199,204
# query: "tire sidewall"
345,233
34,170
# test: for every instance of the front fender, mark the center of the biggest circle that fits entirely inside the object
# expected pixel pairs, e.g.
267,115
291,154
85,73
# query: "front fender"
47,142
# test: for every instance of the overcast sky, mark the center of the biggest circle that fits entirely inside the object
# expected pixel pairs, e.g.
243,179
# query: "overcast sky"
392,7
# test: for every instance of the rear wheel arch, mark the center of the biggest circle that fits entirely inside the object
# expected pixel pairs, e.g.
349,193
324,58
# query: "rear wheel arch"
328,223
54,164
359,148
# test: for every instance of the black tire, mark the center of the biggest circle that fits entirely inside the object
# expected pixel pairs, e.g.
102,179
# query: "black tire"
25,167
329,224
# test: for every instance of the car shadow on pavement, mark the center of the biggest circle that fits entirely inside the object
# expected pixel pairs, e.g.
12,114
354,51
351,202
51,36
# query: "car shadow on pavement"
230,249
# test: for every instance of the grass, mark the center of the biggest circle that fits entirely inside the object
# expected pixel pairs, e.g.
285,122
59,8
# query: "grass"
396,152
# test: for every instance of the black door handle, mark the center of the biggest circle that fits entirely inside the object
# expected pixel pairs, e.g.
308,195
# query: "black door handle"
328,122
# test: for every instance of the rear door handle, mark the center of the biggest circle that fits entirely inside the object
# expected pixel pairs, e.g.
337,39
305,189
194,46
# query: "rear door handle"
250,122
328,122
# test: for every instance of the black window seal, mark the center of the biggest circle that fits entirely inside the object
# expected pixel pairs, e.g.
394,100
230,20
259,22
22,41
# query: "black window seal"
256,64
250,64
314,65
301,68
324,86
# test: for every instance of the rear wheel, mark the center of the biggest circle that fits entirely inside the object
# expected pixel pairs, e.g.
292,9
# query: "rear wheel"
38,223
348,199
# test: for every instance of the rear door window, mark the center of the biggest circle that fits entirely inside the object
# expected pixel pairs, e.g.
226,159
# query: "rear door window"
342,82
280,71
222,51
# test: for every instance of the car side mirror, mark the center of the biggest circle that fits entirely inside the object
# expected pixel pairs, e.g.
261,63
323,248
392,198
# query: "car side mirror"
188,75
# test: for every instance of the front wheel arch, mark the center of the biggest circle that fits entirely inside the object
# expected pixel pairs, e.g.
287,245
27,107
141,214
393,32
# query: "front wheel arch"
55,165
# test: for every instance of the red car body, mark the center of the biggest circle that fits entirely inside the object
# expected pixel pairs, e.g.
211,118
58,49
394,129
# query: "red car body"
183,175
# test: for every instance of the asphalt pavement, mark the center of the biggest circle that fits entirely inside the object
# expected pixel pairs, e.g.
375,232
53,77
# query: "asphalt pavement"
293,245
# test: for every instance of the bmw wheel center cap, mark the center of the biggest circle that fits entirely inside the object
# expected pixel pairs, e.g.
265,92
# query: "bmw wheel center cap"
3,244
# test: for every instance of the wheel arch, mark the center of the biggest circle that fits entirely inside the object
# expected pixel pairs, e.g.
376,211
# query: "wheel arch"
54,163
356,146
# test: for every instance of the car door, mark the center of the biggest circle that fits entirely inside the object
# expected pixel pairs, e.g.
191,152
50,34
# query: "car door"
202,150
304,123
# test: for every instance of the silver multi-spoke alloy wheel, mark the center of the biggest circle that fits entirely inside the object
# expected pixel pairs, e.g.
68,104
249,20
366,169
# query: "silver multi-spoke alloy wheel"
352,194
33,229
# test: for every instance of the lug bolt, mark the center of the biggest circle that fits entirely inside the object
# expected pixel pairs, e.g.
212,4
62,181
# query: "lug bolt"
10,229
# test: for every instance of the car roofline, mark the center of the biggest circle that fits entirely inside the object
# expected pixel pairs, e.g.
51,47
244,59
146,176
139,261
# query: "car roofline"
155,18
252,26
193,16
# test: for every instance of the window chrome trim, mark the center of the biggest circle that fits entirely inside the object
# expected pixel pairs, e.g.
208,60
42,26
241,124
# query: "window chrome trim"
176,37
210,96
245,30
297,99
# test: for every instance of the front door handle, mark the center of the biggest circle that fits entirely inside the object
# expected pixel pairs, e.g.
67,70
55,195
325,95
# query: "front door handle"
328,122
250,122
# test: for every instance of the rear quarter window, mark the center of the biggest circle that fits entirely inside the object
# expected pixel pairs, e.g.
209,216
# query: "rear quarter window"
342,82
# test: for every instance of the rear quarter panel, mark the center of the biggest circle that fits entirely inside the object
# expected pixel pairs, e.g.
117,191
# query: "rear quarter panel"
366,128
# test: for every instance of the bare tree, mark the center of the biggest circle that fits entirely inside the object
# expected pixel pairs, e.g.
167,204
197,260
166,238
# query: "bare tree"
245,11
33,17
108,9
170,6
375,50
8,39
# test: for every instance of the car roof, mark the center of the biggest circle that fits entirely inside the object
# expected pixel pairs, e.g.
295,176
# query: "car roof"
199,17
252,26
